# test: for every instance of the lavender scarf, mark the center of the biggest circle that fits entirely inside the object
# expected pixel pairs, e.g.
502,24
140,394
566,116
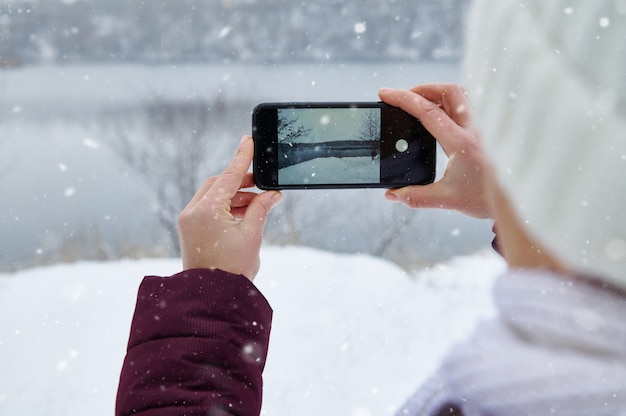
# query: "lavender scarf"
558,347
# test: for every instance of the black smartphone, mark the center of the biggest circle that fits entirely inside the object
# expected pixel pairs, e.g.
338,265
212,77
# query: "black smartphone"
340,145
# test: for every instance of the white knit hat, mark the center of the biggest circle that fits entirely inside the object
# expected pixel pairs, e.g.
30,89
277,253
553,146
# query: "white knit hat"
548,81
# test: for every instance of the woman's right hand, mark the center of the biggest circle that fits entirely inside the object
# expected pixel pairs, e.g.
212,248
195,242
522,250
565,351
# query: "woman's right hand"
445,112
222,226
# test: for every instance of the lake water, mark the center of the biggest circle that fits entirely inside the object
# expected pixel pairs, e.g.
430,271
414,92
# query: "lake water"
65,192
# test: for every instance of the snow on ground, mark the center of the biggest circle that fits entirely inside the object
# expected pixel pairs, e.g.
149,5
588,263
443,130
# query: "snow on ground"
332,170
352,334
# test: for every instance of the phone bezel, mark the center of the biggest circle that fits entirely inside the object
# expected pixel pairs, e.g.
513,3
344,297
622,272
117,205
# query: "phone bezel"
265,163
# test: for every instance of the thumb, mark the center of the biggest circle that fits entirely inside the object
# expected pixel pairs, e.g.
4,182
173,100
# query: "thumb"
419,196
259,209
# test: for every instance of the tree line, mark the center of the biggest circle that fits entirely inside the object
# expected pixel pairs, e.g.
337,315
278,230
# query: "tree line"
222,31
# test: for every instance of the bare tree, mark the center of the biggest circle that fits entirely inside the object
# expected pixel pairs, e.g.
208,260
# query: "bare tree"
370,126
394,226
289,129
170,147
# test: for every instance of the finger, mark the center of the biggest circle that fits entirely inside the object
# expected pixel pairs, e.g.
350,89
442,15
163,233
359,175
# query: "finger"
228,183
248,181
259,209
433,117
202,191
420,196
452,98
242,199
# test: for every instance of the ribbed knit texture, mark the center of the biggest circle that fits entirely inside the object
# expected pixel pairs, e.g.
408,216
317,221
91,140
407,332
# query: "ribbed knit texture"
198,344
557,348
548,82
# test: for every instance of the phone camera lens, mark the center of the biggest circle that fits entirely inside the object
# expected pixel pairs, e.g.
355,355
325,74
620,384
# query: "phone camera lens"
402,145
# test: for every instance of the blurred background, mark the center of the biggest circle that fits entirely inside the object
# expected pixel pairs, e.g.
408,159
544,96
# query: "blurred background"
112,112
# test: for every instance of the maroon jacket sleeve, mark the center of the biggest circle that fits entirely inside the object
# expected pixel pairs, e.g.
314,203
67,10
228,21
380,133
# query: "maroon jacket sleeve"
198,343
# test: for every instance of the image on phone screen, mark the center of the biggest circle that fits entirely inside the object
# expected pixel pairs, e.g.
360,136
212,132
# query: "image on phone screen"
324,146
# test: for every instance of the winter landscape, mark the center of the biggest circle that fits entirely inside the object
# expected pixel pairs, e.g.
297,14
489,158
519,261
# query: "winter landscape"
67,189
352,334
66,195
112,113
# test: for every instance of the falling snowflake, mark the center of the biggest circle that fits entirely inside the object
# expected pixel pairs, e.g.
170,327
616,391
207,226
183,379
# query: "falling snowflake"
360,28
90,143
225,31
604,22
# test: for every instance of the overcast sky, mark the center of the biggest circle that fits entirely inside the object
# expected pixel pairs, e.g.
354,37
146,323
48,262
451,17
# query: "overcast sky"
332,124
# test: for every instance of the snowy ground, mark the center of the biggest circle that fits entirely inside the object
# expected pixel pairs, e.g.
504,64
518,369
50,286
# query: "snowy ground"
352,335
329,170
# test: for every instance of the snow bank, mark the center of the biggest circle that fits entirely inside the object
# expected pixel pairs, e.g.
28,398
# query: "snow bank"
353,335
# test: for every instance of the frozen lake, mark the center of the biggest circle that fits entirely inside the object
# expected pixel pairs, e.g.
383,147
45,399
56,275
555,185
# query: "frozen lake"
49,90
64,191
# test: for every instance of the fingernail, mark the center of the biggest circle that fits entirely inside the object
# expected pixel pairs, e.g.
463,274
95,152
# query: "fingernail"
391,197
276,198
244,139
385,89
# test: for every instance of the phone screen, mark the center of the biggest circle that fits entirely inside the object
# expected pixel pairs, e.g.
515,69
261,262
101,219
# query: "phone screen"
340,145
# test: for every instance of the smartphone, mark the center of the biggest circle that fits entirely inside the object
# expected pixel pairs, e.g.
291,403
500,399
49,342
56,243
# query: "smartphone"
339,145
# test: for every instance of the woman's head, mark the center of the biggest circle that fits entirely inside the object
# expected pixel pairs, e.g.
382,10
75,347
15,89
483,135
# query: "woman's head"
548,84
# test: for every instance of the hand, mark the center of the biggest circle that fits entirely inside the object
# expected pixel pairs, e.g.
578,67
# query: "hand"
444,110
222,226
